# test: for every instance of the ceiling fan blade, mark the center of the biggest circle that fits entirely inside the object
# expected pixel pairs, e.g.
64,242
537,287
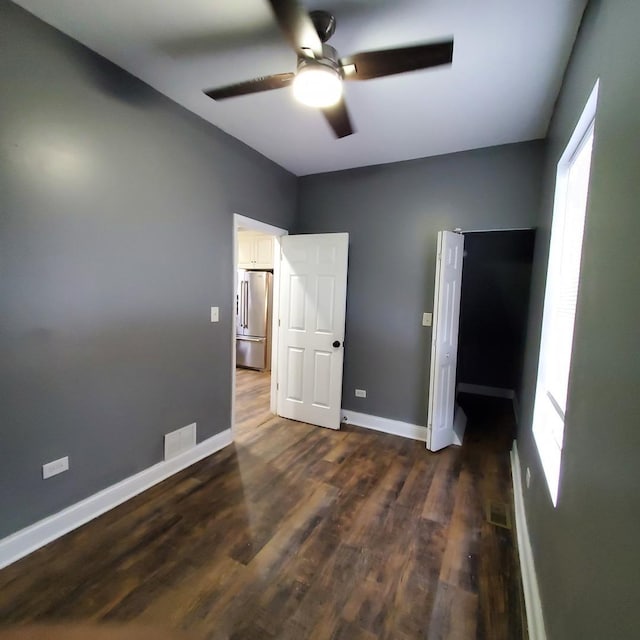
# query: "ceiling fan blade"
376,64
297,27
338,117
266,83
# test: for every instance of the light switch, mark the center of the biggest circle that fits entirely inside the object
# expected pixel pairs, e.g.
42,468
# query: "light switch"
215,314
427,319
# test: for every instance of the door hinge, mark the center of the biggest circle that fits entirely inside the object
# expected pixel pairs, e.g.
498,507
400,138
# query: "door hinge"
278,321
277,386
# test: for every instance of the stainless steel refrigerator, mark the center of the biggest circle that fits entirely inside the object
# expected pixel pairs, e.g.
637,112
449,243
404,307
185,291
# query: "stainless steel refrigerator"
253,319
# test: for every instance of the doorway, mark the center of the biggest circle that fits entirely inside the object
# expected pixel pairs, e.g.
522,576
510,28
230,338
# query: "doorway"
494,312
480,316
254,336
309,279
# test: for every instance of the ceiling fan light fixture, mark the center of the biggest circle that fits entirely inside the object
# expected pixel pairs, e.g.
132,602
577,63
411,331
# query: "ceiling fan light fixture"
317,85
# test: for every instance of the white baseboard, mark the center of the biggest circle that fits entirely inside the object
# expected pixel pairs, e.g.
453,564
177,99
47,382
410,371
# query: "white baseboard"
533,605
482,390
27,540
386,425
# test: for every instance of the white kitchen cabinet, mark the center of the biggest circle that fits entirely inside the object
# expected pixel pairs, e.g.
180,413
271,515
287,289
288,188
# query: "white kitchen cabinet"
255,251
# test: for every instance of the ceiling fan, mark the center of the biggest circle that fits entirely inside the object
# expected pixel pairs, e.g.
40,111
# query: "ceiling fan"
320,73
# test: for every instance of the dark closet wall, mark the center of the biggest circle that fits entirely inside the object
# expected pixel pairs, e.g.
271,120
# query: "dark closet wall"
116,223
494,308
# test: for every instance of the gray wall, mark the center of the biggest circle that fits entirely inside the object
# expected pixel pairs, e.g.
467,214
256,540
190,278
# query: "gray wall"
115,238
586,550
494,308
393,213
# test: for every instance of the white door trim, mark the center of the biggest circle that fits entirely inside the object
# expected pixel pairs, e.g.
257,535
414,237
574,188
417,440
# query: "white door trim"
240,221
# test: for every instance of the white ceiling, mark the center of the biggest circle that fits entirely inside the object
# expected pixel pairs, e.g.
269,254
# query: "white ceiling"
509,58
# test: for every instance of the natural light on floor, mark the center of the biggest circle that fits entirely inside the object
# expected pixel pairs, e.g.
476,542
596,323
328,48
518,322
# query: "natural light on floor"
561,294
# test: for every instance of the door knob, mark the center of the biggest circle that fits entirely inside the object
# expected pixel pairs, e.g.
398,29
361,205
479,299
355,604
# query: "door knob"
336,343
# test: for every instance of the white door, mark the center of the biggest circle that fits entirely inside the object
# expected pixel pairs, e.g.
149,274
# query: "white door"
444,346
313,291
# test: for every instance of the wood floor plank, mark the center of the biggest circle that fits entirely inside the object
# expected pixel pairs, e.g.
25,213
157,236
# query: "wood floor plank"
454,615
296,532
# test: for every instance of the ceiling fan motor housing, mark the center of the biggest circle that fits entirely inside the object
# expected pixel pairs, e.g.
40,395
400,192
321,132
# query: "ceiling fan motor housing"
329,59
318,81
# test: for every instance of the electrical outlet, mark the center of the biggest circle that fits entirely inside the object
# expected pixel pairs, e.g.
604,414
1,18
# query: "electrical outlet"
528,477
55,467
361,393
427,319
215,314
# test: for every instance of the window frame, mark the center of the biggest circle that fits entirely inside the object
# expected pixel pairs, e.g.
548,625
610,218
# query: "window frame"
547,408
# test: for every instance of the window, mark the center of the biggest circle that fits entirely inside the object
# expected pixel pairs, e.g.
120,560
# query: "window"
561,294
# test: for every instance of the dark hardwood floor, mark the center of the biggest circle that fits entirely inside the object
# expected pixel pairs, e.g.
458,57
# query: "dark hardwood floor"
297,532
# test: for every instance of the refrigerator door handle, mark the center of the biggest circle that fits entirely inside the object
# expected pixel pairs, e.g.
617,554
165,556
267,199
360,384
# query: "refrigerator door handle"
242,303
246,304
242,308
248,339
